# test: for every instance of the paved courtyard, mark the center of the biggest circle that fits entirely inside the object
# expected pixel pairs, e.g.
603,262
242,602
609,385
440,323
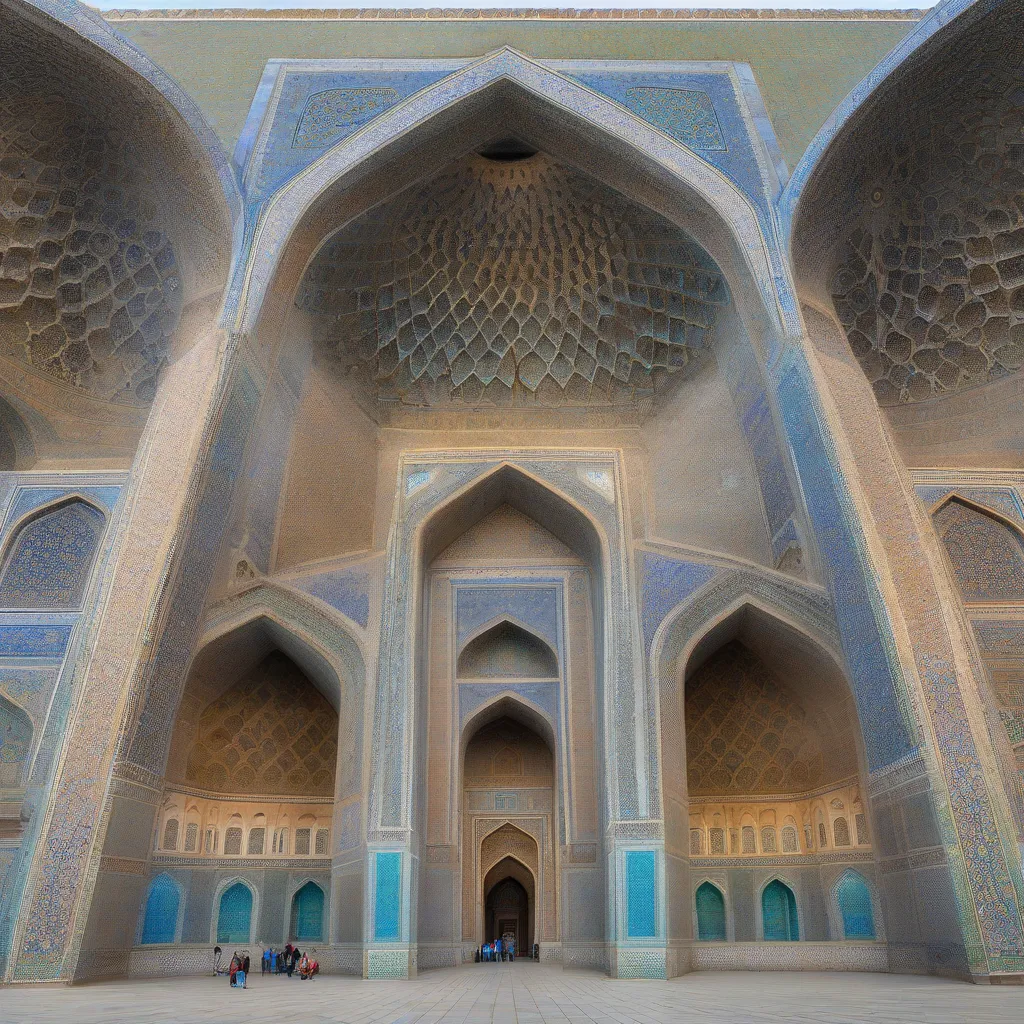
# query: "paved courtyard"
525,993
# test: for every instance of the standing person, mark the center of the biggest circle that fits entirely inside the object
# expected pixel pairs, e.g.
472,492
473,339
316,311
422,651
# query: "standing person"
265,961
233,969
497,949
511,949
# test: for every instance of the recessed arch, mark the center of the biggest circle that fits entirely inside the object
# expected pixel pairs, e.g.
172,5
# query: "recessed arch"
519,709
16,736
162,912
779,911
711,921
505,648
307,912
985,549
64,537
554,112
854,903
235,911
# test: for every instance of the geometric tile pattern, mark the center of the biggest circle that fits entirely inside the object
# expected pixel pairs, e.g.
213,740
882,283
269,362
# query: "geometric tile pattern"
594,299
49,561
987,555
273,732
686,115
745,734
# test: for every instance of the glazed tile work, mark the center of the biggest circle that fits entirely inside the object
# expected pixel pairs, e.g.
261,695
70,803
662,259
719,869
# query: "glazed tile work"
487,508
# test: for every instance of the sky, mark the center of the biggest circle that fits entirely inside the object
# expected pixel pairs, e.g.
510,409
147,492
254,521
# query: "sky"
404,4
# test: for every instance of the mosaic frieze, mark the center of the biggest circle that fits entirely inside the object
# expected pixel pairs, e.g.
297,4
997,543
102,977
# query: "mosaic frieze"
929,282
90,293
512,282
687,115
332,114
272,732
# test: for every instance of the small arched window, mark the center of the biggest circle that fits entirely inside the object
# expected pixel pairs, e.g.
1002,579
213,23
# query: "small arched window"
191,837
822,835
322,842
768,840
211,841
257,837
302,842
717,836
233,842
748,839
49,561
710,913
854,900
841,832
696,841
790,841
170,834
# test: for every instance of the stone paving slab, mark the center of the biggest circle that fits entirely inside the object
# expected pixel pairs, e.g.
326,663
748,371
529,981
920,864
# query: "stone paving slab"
524,993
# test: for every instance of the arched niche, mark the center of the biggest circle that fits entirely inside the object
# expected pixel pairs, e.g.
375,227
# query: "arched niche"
507,650
580,133
541,108
986,551
15,744
135,206
509,900
768,724
48,559
259,714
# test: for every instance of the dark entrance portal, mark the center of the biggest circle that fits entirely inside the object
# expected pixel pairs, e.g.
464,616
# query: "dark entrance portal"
507,912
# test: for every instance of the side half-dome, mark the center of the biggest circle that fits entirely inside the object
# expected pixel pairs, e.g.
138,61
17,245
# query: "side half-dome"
116,212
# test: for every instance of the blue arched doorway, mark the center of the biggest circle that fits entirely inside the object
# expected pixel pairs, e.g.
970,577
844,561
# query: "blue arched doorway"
710,913
778,910
160,923
234,916
854,900
307,921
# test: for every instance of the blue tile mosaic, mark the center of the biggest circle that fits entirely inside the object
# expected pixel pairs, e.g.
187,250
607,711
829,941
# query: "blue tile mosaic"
348,590
666,582
885,728
388,897
160,923
34,641
641,902
538,607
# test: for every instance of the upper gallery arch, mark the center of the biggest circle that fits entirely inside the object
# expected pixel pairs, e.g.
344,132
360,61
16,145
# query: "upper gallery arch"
904,211
505,94
117,230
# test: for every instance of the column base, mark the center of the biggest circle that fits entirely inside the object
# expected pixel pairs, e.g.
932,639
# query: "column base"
638,962
393,962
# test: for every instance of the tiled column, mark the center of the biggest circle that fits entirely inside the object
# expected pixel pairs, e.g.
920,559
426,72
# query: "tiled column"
949,857
164,492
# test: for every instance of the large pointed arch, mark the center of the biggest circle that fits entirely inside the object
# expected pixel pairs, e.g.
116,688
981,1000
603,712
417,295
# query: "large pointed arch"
554,110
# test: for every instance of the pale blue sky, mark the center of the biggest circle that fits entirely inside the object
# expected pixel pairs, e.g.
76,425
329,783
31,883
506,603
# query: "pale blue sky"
876,5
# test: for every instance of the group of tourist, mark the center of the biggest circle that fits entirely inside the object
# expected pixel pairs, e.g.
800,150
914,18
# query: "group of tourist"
499,950
288,960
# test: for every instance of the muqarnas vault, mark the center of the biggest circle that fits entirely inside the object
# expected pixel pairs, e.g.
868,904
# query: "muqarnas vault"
503,498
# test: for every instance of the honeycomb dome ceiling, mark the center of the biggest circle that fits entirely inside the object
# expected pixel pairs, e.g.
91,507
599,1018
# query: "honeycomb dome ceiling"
929,279
90,292
512,282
